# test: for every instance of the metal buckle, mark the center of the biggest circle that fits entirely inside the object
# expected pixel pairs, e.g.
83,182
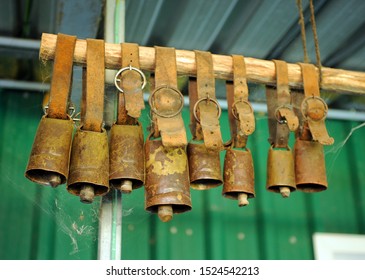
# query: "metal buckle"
304,108
160,114
208,99
234,107
129,68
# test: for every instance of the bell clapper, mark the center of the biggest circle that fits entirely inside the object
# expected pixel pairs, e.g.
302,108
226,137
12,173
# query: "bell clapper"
87,194
243,199
126,186
285,192
165,213
55,180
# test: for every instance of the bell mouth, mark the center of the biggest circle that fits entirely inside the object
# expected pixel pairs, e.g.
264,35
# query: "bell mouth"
75,188
46,178
177,208
125,184
311,187
205,184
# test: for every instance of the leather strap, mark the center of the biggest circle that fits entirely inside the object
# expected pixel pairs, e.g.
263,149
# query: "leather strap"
240,112
93,97
61,77
166,100
131,99
207,107
282,119
313,107
195,127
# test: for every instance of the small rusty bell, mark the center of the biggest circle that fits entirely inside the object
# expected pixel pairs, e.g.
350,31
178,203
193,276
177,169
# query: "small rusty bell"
238,176
310,167
167,189
49,159
280,172
89,165
204,167
126,157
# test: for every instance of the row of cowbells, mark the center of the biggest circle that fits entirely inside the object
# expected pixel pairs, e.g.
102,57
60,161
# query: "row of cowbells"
125,162
304,169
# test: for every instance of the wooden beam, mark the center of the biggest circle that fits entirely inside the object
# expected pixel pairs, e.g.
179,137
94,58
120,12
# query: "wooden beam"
258,70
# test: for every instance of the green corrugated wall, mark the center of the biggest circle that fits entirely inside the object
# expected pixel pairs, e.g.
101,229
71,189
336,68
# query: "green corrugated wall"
38,222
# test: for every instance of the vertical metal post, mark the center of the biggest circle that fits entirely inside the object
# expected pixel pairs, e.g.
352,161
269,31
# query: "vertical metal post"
110,214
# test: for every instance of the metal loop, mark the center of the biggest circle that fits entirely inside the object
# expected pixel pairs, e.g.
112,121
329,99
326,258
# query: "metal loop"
129,68
152,104
304,108
277,116
71,110
234,108
208,100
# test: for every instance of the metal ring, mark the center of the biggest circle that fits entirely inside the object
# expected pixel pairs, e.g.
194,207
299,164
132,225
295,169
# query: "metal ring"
71,110
279,120
208,99
304,110
152,105
129,68
234,110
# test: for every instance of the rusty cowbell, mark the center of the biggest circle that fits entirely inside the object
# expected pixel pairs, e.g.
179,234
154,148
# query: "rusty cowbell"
167,189
238,176
310,168
49,159
126,157
89,164
280,172
282,121
204,167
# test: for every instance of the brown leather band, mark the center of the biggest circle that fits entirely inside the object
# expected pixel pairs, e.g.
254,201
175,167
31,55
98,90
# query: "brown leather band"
166,100
195,127
281,116
313,107
207,107
131,99
95,79
240,112
61,77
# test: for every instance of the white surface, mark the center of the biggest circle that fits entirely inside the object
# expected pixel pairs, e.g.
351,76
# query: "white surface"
336,246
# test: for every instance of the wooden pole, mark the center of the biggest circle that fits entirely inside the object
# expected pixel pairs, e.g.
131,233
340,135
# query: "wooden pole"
258,70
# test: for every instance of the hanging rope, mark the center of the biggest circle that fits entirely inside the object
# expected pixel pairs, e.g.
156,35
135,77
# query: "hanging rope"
316,43
302,29
315,36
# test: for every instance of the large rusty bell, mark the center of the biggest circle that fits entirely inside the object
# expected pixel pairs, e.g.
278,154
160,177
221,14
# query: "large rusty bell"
89,165
280,172
310,168
126,157
238,176
167,189
204,167
49,159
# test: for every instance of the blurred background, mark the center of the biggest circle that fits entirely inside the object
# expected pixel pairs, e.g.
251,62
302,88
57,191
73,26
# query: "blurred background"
38,222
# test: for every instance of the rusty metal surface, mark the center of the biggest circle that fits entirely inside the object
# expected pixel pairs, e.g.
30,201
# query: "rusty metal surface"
126,155
204,167
51,151
280,170
89,162
238,174
310,167
167,178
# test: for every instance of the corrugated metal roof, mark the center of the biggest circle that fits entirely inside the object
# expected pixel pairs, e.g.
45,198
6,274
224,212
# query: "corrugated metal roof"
262,29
